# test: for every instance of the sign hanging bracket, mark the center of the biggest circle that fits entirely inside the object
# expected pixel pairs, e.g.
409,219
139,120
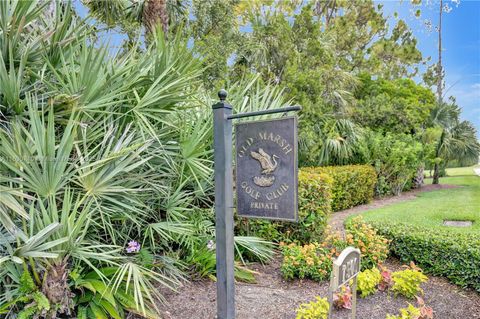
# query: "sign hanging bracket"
272,111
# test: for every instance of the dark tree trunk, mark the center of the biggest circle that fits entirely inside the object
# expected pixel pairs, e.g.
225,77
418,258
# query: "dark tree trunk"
436,169
155,13
418,179
55,288
436,174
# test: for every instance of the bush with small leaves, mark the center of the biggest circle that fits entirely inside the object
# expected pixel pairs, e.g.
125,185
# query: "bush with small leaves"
373,247
313,310
308,261
352,184
367,281
441,253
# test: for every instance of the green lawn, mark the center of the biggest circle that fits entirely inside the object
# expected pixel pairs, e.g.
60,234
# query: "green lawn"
456,171
430,209
461,171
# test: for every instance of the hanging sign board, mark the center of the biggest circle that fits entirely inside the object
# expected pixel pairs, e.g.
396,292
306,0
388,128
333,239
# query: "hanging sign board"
266,169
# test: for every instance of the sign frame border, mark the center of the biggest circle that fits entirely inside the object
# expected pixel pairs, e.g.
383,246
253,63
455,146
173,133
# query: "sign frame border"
295,168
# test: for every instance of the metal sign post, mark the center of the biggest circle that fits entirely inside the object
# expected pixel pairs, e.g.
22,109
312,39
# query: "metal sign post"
222,140
345,268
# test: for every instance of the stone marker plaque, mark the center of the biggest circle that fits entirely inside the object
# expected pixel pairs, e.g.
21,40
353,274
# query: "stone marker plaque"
266,169
345,268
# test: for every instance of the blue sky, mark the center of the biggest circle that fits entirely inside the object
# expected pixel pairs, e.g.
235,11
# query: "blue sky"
461,46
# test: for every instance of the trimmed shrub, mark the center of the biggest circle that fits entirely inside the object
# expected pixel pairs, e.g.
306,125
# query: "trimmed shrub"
352,184
452,255
314,207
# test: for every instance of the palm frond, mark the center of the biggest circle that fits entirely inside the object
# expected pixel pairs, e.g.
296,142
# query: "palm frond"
44,167
261,249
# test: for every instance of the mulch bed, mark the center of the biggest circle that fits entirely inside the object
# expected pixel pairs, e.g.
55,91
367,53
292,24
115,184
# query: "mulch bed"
274,298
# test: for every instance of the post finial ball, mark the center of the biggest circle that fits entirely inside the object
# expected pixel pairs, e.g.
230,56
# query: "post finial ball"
222,94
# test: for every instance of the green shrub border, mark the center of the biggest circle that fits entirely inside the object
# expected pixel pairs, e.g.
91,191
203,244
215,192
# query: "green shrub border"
352,184
453,255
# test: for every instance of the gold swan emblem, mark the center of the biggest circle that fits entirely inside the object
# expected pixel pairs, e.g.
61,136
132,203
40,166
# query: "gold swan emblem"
267,162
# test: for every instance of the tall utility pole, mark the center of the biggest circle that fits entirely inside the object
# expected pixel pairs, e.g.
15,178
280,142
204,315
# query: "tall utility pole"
436,169
439,65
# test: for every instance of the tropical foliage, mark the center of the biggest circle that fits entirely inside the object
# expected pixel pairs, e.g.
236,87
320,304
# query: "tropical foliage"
457,139
349,69
106,187
395,157
106,167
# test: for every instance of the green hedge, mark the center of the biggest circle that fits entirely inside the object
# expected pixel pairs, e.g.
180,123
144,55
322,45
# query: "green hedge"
352,184
449,254
314,206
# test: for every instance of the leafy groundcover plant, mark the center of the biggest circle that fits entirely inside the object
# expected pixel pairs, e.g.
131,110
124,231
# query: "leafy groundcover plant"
411,312
105,170
313,310
368,281
407,282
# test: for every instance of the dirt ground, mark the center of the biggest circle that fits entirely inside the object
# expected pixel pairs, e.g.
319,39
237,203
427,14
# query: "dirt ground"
271,297
274,298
